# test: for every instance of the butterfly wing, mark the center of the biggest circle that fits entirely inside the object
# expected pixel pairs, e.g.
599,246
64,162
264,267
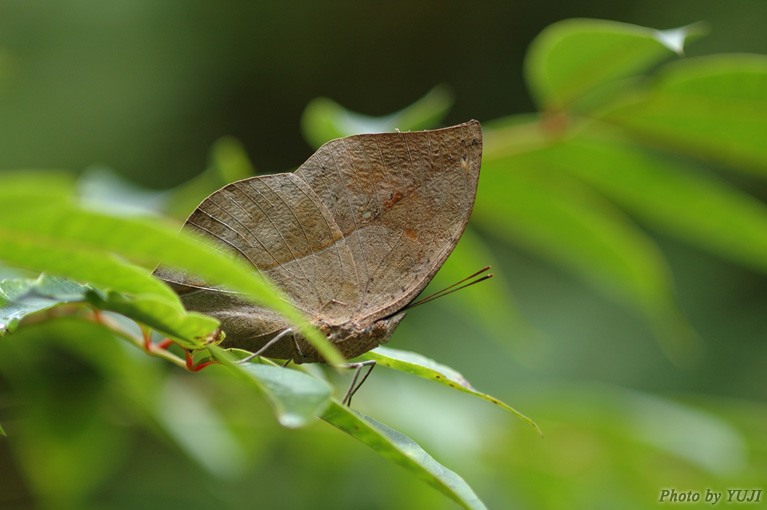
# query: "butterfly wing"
401,202
277,224
352,236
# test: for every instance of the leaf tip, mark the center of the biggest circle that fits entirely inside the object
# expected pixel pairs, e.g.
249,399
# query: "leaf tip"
675,38
291,421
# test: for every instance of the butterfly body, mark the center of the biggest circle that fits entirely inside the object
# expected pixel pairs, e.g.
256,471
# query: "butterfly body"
351,237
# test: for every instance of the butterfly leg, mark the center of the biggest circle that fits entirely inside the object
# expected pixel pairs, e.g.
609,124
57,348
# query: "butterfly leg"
354,386
267,345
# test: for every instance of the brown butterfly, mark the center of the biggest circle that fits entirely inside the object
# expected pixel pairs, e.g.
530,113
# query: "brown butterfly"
351,238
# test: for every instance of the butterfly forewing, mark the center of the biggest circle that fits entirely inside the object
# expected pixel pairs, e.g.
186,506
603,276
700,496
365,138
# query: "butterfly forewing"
402,201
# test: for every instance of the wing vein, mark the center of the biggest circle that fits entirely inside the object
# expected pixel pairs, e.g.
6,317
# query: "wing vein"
274,227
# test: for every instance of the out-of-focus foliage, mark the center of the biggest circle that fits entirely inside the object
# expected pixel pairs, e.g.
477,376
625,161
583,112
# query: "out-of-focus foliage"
44,231
622,180
65,238
116,253
413,363
555,182
324,119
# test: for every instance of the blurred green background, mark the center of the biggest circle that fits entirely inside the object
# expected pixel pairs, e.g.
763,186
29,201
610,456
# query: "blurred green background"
146,88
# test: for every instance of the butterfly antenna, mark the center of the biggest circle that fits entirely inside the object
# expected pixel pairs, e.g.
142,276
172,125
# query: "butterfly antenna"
453,288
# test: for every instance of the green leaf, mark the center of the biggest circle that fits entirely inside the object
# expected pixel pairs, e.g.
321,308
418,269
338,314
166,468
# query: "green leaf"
402,450
73,242
713,107
413,363
101,268
515,134
685,202
191,329
22,297
101,188
525,201
151,301
296,398
324,119
23,189
574,57
231,161
567,224
35,183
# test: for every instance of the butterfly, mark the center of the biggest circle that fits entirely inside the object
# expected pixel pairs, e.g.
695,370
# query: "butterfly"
350,238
